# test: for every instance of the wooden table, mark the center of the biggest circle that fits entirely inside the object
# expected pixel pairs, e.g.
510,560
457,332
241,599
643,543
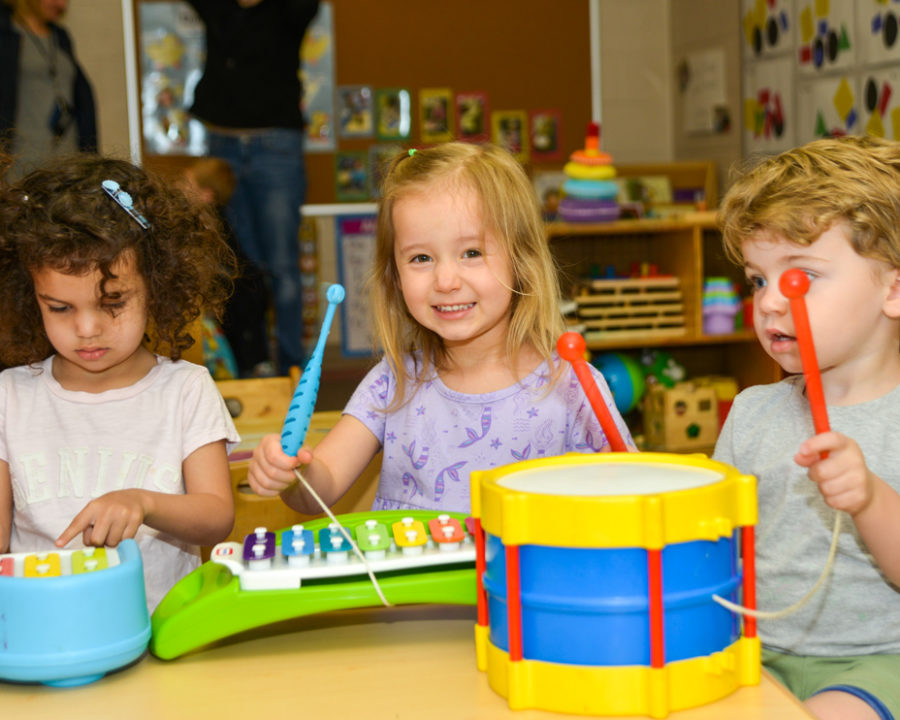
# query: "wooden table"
412,662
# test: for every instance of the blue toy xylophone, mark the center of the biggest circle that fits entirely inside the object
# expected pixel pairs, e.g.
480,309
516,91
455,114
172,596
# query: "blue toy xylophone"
68,617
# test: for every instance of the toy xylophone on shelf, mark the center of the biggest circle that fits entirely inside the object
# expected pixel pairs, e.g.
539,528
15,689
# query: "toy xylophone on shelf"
67,617
417,557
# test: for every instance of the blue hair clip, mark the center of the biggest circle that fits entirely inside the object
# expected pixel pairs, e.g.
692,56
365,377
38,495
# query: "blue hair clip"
115,191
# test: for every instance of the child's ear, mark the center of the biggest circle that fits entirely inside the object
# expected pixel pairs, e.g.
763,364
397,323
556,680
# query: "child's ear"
892,301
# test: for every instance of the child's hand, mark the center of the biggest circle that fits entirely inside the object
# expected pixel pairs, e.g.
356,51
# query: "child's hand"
271,469
108,520
843,477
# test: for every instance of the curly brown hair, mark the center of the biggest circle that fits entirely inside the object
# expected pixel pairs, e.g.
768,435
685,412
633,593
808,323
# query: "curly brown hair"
59,217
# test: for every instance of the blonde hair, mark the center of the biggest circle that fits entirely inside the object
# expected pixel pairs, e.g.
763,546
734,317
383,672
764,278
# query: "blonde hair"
215,175
509,209
801,193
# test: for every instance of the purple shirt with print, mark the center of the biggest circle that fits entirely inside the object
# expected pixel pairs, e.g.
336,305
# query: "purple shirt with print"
433,442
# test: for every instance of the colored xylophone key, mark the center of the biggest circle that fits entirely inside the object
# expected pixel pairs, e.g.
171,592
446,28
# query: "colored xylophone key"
410,536
58,563
259,548
373,539
297,545
447,532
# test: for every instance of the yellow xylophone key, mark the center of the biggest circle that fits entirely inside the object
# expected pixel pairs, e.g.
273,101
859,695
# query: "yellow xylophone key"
410,535
88,560
41,565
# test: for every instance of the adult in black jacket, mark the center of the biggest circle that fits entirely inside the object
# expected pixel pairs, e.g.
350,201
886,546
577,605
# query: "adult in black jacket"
249,100
46,102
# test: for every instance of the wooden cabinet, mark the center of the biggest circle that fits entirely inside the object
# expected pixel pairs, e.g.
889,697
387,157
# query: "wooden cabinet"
690,249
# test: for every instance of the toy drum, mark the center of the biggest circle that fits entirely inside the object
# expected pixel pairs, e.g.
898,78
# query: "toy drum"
596,576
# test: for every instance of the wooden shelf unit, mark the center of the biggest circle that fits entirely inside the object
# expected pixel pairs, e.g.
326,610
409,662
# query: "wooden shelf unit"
689,248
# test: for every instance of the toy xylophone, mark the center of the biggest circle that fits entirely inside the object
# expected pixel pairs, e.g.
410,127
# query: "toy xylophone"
67,617
417,557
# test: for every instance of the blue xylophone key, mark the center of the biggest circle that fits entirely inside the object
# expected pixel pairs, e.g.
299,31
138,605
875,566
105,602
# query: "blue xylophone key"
297,545
333,544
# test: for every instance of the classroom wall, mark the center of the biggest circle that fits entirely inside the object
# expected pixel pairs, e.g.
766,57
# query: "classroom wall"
720,28
96,28
636,73
636,68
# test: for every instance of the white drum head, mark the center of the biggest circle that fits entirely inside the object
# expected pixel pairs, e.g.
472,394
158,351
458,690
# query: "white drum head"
609,479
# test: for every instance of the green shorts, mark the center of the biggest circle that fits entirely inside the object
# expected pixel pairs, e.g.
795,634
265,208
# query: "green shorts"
873,678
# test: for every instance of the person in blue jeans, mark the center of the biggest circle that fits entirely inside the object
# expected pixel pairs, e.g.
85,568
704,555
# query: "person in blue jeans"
249,100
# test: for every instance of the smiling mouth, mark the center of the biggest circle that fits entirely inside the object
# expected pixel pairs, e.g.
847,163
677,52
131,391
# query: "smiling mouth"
454,308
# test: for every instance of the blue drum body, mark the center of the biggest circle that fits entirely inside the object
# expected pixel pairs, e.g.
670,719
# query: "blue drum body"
591,606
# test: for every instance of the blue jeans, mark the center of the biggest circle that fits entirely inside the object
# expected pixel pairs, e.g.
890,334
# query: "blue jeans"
265,215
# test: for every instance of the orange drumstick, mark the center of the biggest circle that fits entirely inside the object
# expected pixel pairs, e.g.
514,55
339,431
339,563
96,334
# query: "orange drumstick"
793,285
571,347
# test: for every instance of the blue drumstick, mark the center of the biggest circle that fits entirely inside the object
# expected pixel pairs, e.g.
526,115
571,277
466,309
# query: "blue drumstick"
300,411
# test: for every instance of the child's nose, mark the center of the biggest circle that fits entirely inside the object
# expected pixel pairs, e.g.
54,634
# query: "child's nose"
446,276
770,300
87,324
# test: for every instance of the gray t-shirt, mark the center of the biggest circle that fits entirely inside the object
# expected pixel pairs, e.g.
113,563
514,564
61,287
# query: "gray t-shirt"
46,74
434,441
857,611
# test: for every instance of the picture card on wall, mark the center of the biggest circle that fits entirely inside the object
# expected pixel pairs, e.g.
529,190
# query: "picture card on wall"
355,111
351,176
545,130
509,129
436,114
472,116
393,114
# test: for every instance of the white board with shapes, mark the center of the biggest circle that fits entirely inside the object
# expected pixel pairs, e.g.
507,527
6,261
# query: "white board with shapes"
826,36
879,31
767,27
768,101
880,102
828,107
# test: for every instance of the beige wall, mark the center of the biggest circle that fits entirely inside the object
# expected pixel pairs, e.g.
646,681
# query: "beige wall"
635,71
720,28
96,27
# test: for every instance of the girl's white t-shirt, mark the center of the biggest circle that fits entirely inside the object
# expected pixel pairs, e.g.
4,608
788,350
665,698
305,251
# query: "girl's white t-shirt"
64,448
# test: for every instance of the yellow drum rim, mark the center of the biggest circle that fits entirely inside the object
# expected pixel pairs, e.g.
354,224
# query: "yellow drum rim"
651,521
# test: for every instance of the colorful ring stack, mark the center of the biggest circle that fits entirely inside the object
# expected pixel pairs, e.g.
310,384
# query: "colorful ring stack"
590,189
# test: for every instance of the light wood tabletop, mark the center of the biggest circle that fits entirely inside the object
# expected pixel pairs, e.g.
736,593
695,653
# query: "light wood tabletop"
410,662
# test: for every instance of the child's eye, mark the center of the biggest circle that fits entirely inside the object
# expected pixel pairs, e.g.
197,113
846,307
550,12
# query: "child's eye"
472,253
756,282
113,308
57,308
421,258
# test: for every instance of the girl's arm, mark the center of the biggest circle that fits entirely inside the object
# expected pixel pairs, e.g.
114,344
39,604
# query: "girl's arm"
331,468
204,515
5,506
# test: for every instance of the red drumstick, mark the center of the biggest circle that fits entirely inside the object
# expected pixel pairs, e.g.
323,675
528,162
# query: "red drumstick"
793,285
571,347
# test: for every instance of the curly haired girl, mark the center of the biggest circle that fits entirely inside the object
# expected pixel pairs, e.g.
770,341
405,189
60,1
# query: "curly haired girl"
101,437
